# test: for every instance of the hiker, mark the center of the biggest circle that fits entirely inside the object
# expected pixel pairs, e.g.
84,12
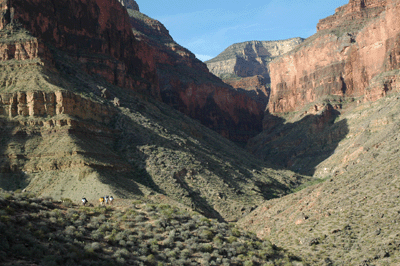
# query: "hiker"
101,200
106,198
84,201
111,199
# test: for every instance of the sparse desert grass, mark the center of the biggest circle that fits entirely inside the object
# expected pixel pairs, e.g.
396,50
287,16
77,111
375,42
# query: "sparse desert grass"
182,239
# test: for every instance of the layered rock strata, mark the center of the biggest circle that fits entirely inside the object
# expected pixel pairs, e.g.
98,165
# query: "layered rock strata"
41,104
353,54
133,52
186,84
255,86
249,58
80,114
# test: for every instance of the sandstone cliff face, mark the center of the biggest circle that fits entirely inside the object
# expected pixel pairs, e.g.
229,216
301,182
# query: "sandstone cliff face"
133,52
97,33
73,124
40,104
250,58
186,84
354,54
255,86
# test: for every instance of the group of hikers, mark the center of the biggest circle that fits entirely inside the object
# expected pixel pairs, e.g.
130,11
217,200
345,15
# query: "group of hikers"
102,200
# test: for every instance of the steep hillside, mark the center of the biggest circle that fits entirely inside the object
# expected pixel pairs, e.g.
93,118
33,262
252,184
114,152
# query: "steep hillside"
136,52
351,59
37,231
352,218
186,84
323,121
68,132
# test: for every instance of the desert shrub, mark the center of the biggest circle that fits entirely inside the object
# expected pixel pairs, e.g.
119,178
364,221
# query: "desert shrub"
168,242
206,247
67,202
248,263
150,207
70,230
130,224
206,234
104,227
123,252
148,227
9,210
231,239
158,237
240,248
185,234
24,203
96,235
143,250
131,238
141,235
179,244
120,236
140,218
235,232
185,253
55,213
172,254
20,250
151,259
50,260
83,216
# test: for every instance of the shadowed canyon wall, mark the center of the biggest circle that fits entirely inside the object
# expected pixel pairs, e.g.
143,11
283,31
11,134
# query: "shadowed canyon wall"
186,84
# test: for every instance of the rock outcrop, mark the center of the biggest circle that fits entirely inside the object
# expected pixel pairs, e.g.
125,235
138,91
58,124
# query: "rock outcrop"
130,4
353,54
249,58
186,84
81,113
40,104
134,52
97,33
255,86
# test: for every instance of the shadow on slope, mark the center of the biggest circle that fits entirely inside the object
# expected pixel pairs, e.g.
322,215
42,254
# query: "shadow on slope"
12,150
352,218
145,148
302,145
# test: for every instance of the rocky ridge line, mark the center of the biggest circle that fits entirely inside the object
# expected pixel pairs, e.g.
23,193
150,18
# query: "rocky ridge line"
249,58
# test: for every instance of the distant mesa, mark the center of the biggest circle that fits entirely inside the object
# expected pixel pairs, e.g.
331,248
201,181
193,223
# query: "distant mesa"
251,58
246,65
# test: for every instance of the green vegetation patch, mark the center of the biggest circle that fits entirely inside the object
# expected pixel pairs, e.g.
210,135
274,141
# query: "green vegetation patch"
42,231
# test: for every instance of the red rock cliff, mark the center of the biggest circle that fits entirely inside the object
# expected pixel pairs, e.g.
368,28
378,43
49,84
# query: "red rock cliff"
134,52
186,84
96,32
354,53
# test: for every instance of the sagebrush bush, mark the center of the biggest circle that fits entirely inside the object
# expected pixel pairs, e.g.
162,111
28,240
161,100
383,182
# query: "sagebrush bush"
102,236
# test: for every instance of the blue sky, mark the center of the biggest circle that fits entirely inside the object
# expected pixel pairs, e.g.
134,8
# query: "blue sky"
208,27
